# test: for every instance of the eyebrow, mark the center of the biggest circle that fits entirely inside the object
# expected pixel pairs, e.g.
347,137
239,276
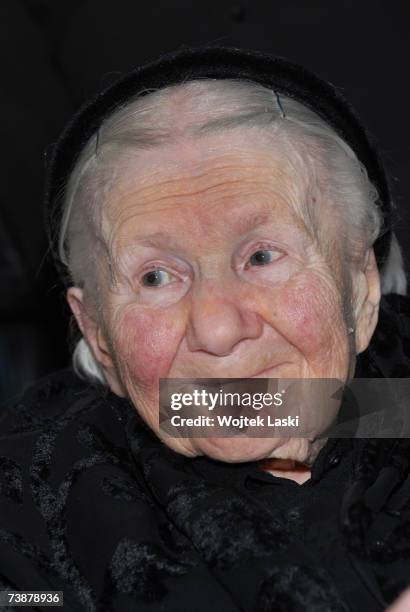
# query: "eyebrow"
242,225
253,219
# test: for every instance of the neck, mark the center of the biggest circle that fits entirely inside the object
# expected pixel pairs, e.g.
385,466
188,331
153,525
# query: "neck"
287,468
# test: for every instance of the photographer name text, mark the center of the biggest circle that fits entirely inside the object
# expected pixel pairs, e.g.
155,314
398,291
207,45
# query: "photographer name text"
240,422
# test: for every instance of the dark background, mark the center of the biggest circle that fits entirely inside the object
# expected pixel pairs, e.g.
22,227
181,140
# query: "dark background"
55,53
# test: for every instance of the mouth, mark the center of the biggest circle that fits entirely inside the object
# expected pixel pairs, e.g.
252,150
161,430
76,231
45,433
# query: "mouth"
267,371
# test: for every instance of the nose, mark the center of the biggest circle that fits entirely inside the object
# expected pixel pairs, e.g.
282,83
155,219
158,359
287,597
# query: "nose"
219,320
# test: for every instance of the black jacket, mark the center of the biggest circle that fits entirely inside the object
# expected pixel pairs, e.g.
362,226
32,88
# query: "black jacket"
93,504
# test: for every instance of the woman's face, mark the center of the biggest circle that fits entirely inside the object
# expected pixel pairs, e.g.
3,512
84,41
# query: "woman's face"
215,276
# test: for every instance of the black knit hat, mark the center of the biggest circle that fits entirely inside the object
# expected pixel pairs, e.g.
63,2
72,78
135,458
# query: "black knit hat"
276,73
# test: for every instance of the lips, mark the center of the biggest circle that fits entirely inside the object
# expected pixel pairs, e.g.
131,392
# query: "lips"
265,373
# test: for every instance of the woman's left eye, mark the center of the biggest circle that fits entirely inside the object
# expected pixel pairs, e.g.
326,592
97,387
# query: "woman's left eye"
263,257
156,278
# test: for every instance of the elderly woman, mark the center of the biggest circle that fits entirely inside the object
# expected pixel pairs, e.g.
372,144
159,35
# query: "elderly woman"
217,214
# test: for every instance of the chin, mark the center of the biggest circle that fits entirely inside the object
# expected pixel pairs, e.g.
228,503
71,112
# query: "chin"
237,449
240,449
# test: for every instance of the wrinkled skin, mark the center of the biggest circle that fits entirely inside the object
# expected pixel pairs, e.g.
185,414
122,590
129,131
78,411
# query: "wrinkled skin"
216,313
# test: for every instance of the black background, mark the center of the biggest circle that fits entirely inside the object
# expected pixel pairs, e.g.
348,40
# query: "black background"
55,53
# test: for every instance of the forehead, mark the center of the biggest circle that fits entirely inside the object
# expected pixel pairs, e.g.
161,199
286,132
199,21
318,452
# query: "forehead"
224,183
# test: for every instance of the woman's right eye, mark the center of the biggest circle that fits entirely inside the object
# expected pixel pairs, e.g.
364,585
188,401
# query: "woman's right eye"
154,278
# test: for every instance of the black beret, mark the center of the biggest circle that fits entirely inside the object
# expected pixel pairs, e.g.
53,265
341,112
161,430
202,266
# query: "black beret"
276,73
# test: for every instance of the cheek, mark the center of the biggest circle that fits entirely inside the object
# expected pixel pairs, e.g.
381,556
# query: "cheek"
145,344
310,315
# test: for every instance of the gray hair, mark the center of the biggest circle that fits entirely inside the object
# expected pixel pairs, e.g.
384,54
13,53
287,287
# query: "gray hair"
210,105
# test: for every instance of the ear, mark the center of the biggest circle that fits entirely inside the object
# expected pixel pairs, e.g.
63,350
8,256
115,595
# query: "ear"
367,301
95,337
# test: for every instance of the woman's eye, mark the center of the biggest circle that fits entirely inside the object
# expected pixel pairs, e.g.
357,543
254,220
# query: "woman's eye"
156,278
263,257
